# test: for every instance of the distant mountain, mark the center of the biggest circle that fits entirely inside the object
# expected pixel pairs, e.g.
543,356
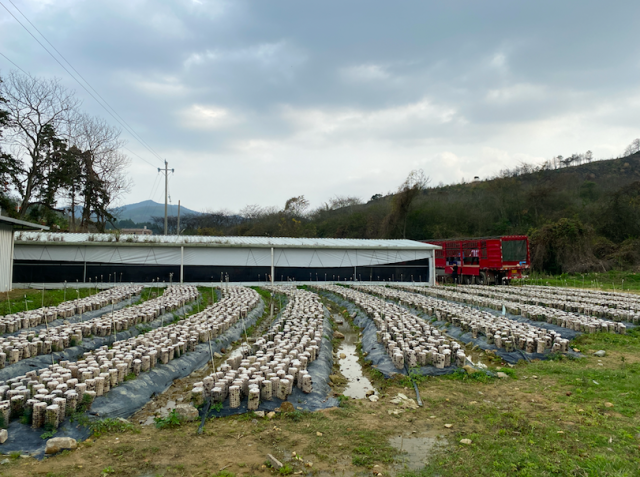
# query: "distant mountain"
143,211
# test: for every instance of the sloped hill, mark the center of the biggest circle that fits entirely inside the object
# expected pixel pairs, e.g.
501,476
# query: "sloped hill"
142,212
593,207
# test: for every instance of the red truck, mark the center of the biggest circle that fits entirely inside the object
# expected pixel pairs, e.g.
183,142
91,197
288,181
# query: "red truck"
485,260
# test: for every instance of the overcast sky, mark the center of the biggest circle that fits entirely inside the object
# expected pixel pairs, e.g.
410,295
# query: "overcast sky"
253,102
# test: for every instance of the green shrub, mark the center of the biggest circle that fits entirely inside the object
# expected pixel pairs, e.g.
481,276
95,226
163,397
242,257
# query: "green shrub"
171,421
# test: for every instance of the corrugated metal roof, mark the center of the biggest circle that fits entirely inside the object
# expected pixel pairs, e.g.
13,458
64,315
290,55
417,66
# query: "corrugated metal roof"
199,240
15,223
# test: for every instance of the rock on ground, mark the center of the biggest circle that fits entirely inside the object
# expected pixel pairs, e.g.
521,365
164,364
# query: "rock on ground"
410,404
4,435
187,412
57,444
600,354
502,375
337,334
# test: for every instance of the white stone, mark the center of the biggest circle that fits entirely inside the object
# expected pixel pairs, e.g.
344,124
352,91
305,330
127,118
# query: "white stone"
187,412
57,444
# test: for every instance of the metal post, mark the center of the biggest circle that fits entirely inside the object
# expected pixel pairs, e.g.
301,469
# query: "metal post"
166,194
272,266
181,264
166,191
113,320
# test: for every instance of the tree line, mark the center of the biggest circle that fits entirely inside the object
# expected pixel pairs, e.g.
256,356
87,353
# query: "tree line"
59,166
579,218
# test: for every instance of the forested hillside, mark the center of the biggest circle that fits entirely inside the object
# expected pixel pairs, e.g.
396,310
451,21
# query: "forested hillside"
579,218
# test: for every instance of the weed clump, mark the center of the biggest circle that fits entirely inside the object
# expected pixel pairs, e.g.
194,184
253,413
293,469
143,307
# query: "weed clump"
110,426
173,420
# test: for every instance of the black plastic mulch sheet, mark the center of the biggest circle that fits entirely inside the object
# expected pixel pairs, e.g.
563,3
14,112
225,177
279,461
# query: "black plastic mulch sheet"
87,315
130,396
318,398
88,344
511,357
376,352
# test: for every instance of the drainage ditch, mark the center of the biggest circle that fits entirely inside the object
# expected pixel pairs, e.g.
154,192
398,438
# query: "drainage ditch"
358,385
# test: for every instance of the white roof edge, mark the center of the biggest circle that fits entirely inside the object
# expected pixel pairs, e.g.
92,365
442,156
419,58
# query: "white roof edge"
22,223
35,238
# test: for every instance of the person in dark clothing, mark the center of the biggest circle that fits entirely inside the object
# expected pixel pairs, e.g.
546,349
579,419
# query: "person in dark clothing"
454,273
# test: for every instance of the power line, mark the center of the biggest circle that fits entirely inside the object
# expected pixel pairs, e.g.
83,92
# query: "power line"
138,156
128,129
5,57
136,135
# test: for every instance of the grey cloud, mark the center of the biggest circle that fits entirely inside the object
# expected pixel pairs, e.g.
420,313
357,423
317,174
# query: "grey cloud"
276,93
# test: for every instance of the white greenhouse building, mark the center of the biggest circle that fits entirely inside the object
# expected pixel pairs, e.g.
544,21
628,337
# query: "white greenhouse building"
53,258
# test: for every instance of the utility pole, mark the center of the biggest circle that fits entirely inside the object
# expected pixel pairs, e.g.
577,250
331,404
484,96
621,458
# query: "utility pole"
166,190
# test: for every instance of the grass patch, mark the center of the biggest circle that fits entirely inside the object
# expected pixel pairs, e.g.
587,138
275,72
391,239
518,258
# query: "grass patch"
567,417
370,449
224,473
209,296
111,426
613,280
14,301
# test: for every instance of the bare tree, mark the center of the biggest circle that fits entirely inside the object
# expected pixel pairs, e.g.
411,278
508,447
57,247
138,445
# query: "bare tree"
252,212
39,109
415,183
588,156
104,163
633,147
296,206
339,202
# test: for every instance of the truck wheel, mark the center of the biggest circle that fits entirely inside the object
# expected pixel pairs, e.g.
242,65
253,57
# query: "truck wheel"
482,279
